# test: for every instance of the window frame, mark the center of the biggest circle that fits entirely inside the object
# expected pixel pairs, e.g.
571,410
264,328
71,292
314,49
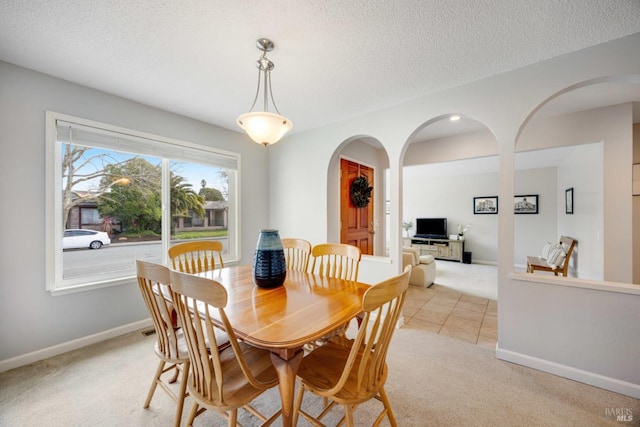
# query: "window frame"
55,282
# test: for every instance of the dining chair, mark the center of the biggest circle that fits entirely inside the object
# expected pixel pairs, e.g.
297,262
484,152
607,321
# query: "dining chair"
349,372
296,253
226,380
170,347
336,260
196,256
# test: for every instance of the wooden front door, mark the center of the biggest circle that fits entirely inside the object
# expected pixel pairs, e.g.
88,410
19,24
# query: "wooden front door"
356,223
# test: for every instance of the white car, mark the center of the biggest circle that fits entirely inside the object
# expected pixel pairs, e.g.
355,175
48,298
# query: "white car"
75,238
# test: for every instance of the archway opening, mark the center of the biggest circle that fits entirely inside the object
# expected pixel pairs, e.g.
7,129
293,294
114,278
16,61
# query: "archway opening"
447,168
369,152
578,148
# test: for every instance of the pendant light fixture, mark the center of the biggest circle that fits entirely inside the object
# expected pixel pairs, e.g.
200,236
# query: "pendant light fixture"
262,126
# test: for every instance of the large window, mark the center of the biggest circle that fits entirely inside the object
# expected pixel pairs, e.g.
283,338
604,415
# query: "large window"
134,195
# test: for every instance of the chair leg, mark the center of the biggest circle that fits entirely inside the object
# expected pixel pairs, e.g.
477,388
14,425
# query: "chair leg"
233,417
387,405
181,395
192,414
154,384
348,415
297,410
297,405
174,378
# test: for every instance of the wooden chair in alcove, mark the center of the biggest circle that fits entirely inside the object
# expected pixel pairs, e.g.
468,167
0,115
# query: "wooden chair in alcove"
557,261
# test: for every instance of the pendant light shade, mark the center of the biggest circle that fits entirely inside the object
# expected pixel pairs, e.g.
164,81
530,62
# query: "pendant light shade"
262,126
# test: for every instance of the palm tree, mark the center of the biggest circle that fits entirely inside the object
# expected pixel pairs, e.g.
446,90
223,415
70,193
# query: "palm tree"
184,199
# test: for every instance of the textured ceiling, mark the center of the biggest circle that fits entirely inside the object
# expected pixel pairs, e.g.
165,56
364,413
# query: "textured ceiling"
333,59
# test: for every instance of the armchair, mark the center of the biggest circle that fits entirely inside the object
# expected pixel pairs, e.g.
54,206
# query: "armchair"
423,272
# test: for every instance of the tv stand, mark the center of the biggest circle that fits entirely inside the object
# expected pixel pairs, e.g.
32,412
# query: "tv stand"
439,248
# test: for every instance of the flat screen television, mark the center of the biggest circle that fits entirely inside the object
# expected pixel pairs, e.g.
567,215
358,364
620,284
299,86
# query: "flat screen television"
431,228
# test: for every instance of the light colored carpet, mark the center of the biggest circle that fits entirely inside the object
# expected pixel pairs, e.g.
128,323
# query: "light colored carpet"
479,280
434,381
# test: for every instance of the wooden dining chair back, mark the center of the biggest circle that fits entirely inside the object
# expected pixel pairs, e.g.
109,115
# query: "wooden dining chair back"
196,256
336,260
225,380
296,253
351,371
170,347
339,261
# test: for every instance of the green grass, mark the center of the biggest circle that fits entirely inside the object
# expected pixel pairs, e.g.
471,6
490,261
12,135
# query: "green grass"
199,234
148,235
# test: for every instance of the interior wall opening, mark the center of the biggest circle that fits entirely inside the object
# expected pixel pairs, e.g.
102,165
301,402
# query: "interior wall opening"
447,167
369,152
580,149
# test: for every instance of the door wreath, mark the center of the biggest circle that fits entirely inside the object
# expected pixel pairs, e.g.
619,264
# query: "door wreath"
360,191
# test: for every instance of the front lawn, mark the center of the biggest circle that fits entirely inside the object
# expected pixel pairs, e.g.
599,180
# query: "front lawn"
148,235
188,235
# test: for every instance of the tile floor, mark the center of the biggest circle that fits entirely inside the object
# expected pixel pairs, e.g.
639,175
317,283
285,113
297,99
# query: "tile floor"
445,311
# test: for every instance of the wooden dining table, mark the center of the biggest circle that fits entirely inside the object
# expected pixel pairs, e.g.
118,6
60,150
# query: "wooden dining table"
283,319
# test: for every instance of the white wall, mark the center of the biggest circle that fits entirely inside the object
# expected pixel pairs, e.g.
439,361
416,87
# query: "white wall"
481,143
30,318
583,171
581,168
532,231
563,344
441,190
613,127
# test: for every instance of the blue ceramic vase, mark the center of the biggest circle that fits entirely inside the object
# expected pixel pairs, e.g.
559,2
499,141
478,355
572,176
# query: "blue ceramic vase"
269,265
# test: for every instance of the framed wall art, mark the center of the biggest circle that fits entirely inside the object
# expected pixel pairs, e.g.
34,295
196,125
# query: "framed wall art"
526,204
568,201
485,205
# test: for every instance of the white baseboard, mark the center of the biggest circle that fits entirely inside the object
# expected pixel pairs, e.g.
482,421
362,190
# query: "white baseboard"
55,350
596,380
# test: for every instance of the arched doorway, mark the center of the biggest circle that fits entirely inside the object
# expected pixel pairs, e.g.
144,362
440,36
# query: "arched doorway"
581,142
446,166
365,152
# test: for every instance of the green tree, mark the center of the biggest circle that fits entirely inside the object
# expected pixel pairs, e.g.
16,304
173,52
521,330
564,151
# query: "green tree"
136,201
184,198
211,194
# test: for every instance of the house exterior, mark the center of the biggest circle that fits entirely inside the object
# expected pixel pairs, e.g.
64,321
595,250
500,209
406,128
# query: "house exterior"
86,215
216,218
